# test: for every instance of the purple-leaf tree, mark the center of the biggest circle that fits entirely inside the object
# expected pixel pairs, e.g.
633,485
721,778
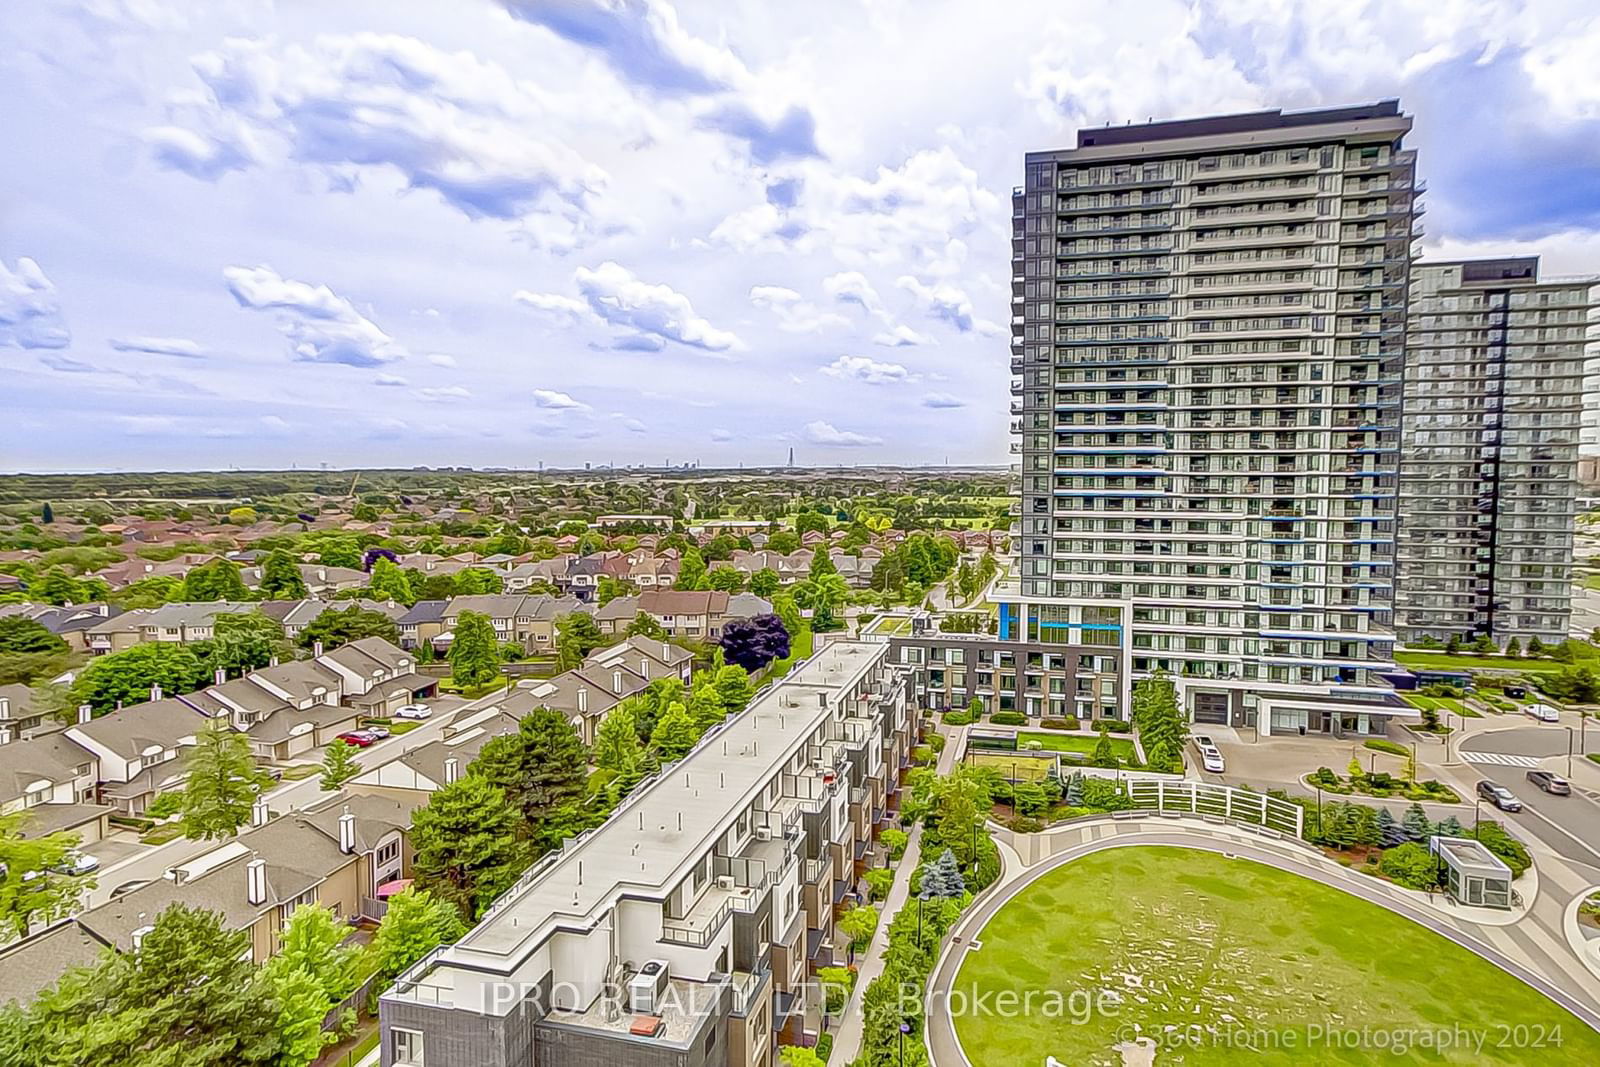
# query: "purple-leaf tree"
373,555
754,642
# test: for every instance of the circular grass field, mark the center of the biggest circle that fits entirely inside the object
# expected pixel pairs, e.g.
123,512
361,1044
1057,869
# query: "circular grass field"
1226,961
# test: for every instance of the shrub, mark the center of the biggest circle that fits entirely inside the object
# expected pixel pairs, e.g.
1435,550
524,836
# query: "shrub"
165,804
1325,777
1512,852
1026,824
1104,794
1410,865
1006,718
836,982
879,879
1391,747
1117,726
937,742
895,841
1059,724
957,718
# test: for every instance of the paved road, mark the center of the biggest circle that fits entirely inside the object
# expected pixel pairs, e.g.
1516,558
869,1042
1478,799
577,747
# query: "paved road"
1532,740
150,862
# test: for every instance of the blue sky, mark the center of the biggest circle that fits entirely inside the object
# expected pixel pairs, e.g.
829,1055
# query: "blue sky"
500,232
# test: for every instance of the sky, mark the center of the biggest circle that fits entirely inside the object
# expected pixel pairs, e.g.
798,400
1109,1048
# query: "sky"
513,232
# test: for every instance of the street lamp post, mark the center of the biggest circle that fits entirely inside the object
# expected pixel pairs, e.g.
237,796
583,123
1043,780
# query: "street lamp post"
905,1028
1319,809
1569,752
1477,816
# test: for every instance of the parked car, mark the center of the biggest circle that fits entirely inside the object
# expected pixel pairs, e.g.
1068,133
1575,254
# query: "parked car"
77,863
1203,742
1516,692
1211,759
358,738
1553,784
413,711
1543,712
380,732
1499,796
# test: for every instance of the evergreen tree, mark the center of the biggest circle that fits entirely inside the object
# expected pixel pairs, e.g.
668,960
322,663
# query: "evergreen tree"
217,580
1416,823
821,563
339,764
1449,827
1104,754
942,878
467,846
281,579
1386,825
335,628
1365,825
475,653
1514,647
674,734
222,785
577,636
616,742
764,582
47,514
540,769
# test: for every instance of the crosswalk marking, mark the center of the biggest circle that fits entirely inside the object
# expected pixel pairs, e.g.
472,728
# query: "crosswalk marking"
1499,759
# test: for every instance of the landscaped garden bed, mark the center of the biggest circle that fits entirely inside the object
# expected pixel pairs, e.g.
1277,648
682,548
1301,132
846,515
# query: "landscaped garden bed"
1380,784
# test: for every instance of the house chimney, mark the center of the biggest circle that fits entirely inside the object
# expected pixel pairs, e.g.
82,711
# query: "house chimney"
258,812
255,882
5,707
452,770
583,701
220,676
316,648
616,681
347,833
5,734
644,667
155,692
85,713
138,935
322,574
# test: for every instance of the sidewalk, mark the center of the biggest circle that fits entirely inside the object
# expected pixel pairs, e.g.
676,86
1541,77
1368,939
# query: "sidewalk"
847,1041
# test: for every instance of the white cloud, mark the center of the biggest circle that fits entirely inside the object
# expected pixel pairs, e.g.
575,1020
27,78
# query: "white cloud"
30,311
556,401
852,287
444,394
794,313
181,347
146,425
946,302
721,435
490,144
632,425
942,400
439,359
274,424
869,371
322,327
900,337
650,315
67,365
828,435
390,380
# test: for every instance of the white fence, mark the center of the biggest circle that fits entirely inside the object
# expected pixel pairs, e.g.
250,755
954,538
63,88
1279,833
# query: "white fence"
1220,801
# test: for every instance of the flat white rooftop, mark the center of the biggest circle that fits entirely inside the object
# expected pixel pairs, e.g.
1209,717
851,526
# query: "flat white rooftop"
648,844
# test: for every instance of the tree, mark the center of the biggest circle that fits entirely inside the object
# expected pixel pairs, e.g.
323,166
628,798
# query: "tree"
339,764
726,579
341,552
281,579
616,742
734,688
335,628
466,842
29,652
808,521
645,625
783,542
799,1056
477,581
1410,865
1415,822
190,997
389,582
788,612
302,1006
47,514
821,563
674,734
32,887
540,768
127,677
151,592
610,588
242,642
765,582
475,652
222,784
312,972
414,925
691,571
218,580
942,877
18,634
822,596
706,708
1514,647
577,635
1104,754
754,642
858,924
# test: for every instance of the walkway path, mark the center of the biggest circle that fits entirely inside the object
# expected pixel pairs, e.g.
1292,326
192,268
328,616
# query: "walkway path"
1533,950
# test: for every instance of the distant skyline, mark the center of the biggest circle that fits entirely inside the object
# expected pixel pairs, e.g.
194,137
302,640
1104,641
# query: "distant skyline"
506,232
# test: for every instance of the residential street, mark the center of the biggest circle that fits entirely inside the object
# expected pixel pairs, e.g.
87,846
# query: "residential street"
148,862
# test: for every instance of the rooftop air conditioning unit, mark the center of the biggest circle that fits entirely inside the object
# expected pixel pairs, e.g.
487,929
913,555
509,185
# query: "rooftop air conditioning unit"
725,882
764,833
648,989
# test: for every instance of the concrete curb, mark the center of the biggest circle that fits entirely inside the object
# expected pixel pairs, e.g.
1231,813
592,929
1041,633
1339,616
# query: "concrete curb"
1587,949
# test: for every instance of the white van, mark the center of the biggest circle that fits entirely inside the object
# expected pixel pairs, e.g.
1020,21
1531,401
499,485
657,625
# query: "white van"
1543,712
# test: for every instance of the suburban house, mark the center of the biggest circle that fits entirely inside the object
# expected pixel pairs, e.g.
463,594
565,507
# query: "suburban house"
424,621
584,695
139,750
21,717
429,768
121,575
295,615
377,677
347,855
695,614
653,572
646,657
519,577
180,623
52,781
67,623
319,577
529,620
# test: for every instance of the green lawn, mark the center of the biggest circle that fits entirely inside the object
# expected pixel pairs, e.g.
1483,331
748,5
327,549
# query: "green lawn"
1591,581
1441,705
1187,938
1444,661
1059,742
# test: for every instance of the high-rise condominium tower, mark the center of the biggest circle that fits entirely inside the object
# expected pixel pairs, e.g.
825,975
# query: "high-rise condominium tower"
1208,318
1493,407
